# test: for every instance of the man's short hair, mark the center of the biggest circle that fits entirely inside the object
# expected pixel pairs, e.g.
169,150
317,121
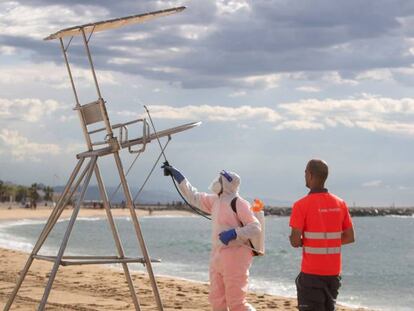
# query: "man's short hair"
319,169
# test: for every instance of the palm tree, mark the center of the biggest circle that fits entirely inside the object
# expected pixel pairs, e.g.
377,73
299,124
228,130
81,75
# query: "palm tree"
21,193
1,190
48,193
33,194
7,191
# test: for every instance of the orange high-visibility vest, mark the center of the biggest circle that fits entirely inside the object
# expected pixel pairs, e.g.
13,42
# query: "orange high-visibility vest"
322,217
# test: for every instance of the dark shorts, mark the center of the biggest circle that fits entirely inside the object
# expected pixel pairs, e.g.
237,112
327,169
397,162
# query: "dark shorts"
317,292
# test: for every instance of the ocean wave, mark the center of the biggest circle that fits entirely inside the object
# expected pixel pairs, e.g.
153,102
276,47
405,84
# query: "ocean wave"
25,222
349,302
90,218
21,243
273,287
168,216
18,243
21,222
154,217
11,242
400,216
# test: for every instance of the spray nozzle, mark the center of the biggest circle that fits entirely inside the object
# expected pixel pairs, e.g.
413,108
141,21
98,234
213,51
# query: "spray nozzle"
166,170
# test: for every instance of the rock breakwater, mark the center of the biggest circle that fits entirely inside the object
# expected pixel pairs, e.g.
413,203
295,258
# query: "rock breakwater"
355,211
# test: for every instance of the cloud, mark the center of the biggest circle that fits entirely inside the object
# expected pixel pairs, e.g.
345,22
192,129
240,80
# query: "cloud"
393,127
299,125
21,148
32,21
309,89
7,50
27,109
52,75
238,94
334,77
368,112
372,183
74,148
226,43
365,106
232,6
211,113
262,81
376,74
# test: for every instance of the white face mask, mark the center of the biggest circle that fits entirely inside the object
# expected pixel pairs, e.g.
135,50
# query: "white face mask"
216,186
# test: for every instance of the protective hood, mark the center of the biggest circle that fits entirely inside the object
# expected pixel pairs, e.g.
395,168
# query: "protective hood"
229,184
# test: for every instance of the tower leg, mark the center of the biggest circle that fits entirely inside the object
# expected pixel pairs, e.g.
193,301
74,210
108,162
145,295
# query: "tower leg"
138,231
46,229
61,204
115,234
65,240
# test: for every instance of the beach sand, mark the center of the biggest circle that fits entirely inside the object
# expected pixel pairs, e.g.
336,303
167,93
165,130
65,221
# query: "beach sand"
88,288
13,212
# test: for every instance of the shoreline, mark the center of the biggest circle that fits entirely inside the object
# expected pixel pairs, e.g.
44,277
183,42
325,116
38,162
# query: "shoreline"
104,287
43,212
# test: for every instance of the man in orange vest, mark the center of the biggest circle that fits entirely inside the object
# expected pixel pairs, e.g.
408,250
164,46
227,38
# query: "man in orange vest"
320,224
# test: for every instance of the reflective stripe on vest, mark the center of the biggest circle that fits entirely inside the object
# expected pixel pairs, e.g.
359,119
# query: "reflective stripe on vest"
322,250
322,235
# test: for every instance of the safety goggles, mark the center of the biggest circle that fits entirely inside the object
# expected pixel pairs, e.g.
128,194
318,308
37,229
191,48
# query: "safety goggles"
226,175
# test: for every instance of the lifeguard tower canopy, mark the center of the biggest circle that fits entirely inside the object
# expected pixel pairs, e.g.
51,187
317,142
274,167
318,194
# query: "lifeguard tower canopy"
112,23
95,111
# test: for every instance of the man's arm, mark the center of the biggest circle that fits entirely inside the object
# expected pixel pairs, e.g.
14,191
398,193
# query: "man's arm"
201,200
297,223
348,236
295,237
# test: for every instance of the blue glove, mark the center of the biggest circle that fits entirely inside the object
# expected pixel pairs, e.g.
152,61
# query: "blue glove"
227,236
169,170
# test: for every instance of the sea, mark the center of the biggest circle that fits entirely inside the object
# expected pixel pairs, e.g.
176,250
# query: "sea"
378,270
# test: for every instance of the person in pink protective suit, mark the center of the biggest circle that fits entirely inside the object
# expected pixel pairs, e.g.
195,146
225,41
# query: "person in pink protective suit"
231,255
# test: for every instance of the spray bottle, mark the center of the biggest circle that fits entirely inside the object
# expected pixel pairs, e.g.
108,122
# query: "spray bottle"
258,242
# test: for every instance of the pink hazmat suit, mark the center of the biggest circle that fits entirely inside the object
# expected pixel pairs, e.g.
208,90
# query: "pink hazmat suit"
229,264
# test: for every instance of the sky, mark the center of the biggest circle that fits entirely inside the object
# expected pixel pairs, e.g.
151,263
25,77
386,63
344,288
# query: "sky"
275,83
